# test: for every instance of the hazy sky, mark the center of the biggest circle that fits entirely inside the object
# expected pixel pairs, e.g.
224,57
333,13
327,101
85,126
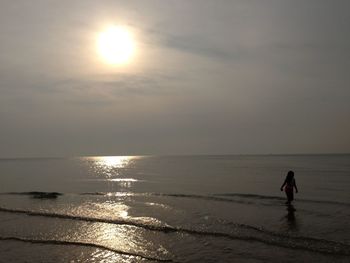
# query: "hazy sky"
208,77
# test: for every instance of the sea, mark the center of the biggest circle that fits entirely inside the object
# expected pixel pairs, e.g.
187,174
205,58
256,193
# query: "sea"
204,208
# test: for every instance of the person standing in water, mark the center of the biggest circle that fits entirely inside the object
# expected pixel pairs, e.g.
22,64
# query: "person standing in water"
289,184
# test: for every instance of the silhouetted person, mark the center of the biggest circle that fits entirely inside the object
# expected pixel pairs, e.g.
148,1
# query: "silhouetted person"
289,185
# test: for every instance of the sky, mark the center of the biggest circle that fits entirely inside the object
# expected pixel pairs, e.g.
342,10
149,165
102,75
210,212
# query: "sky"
207,77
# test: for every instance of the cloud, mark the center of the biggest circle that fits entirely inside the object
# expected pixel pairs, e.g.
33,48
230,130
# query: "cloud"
229,76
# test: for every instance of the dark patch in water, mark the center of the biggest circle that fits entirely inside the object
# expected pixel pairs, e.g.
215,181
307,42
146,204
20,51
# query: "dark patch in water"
38,195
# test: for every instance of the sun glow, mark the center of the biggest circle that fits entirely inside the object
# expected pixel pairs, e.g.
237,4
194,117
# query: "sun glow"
116,45
113,161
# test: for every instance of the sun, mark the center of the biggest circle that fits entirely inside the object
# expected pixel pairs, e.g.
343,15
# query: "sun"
116,45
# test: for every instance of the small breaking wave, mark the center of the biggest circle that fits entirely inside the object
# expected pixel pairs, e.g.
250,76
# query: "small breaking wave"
245,198
267,237
82,244
116,194
224,197
204,197
267,197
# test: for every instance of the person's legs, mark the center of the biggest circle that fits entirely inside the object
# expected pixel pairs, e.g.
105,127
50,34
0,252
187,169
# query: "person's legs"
290,196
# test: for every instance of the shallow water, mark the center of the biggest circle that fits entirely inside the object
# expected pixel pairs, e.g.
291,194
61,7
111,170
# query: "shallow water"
174,208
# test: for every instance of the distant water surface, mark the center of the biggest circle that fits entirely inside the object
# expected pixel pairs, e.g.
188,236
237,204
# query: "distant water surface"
174,208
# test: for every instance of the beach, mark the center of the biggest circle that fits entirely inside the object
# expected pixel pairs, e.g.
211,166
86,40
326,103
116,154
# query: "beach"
205,208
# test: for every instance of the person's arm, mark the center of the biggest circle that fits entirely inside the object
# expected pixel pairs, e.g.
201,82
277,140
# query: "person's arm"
284,183
295,185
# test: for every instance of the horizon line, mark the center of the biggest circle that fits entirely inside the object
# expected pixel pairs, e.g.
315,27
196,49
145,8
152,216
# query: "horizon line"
170,155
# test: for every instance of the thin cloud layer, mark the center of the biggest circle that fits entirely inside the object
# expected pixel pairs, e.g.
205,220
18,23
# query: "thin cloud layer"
209,77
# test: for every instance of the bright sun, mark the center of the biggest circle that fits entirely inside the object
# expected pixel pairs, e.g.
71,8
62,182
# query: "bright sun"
116,45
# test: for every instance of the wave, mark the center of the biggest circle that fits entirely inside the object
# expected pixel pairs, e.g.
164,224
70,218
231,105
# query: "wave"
246,198
224,197
301,238
116,194
83,244
205,197
270,238
253,196
267,197
192,196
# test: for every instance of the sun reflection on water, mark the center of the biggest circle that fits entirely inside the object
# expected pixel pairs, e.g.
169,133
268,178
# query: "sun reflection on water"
123,237
109,162
116,171
110,166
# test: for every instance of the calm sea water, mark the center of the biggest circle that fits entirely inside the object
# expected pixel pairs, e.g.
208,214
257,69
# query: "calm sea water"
174,209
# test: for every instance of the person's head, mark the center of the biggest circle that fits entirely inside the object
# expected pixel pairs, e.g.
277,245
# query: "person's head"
290,175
